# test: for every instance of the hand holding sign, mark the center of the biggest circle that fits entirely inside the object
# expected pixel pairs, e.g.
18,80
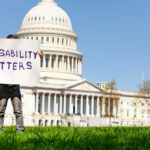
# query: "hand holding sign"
19,61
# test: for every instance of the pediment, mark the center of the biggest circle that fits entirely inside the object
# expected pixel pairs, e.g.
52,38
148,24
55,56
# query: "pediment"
85,86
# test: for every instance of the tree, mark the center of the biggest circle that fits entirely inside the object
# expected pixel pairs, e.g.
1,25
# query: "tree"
111,85
145,87
144,90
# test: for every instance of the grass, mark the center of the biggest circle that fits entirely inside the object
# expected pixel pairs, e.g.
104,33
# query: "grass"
76,138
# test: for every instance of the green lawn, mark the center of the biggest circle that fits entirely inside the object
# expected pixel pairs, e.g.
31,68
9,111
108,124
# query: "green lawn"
76,138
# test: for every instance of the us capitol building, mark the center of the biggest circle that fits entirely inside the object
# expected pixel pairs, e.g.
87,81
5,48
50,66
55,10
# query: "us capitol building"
63,97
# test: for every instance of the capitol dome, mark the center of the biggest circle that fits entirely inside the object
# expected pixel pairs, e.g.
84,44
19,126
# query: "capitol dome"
48,23
47,14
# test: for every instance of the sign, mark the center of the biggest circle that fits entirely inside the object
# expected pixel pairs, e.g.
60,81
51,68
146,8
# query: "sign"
63,117
19,62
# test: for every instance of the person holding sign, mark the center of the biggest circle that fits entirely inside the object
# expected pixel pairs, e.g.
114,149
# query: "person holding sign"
12,91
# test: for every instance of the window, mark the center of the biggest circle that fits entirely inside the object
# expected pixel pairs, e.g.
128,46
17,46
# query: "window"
135,113
57,40
47,39
127,113
53,40
36,38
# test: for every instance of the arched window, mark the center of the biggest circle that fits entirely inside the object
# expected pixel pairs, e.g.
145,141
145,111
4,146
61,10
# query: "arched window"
52,122
47,39
40,123
134,112
57,122
42,39
46,123
53,40
57,40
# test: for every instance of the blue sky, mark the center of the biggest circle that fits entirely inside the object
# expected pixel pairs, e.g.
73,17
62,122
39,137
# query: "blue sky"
114,36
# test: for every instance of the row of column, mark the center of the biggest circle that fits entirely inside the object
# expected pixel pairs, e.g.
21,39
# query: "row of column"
77,104
61,63
55,41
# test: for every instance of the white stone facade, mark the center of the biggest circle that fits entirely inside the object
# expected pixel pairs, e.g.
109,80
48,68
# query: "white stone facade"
63,97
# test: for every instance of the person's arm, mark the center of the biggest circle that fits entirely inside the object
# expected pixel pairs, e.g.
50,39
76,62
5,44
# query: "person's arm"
41,54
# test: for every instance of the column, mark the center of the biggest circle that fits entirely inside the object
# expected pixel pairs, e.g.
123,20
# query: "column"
43,102
64,103
68,64
76,104
44,61
76,64
55,107
87,106
72,60
49,102
62,64
37,102
81,63
103,106
81,108
117,107
114,107
79,66
60,104
92,106
108,106
50,62
71,107
98,107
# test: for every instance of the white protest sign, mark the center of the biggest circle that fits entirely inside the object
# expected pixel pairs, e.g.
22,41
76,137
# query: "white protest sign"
19,62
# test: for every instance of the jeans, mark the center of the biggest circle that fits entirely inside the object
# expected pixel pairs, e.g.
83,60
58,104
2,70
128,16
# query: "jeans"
12,92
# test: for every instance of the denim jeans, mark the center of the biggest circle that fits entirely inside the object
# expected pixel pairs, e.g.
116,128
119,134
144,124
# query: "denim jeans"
12,92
